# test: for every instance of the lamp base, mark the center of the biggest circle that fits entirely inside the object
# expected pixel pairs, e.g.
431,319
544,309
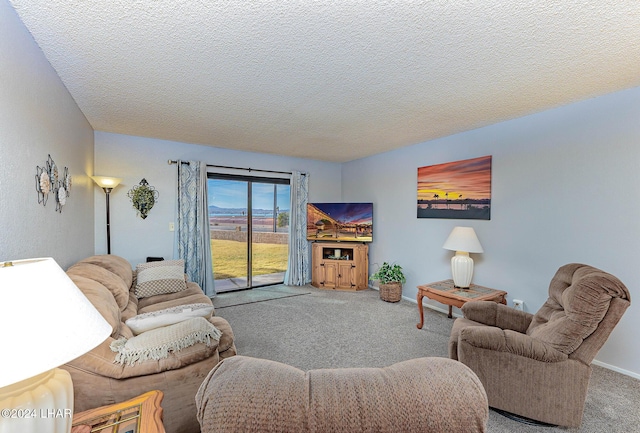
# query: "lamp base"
41,404
462,269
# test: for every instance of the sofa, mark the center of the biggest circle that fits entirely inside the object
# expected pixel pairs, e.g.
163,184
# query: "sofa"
244,394
109,374
538,366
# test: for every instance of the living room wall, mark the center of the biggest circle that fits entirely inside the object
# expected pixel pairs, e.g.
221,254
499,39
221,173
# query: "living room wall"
135,158
565,188
38,117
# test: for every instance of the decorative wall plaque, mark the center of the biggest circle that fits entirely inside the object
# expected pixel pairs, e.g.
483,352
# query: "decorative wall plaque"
48,180
143,197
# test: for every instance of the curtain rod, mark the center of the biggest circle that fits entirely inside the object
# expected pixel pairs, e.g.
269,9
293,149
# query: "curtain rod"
173,161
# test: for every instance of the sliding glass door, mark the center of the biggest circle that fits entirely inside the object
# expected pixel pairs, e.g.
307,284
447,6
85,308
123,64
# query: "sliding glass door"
228,224
270,232
249,222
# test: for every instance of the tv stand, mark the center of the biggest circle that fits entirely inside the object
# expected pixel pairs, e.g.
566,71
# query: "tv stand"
340,265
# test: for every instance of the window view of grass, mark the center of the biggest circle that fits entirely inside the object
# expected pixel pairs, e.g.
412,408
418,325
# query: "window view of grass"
241,210
230,258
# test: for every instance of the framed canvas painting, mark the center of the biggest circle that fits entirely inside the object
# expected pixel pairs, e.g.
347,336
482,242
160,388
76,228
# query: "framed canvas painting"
460,189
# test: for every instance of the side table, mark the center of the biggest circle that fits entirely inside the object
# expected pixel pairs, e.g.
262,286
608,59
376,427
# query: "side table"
142,414
445,292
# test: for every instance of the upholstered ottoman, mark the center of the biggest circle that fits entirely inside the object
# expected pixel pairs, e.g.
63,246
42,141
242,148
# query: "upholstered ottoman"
243,394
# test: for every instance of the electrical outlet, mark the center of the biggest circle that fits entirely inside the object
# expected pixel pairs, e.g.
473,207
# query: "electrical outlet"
172,227
518,304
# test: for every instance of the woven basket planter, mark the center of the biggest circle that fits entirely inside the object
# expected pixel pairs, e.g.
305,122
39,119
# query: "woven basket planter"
391,292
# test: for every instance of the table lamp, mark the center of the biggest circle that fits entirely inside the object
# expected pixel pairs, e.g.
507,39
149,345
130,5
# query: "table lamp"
462,240
45,321
107,184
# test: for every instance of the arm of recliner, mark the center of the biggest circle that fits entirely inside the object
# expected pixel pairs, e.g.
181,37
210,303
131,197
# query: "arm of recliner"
492,338
493,314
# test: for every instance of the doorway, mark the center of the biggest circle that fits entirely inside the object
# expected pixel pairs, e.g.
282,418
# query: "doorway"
249,226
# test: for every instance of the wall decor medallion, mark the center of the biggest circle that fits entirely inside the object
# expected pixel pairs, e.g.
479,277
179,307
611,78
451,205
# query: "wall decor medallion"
43,185
48,180
459,189
143,197
62,192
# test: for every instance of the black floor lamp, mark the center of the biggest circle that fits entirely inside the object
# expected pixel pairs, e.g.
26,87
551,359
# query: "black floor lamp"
107,184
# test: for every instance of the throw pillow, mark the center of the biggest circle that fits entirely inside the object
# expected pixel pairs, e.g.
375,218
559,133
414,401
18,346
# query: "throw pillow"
157,343
157,278
168,316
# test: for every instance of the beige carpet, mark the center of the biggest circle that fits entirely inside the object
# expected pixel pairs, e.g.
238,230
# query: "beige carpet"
328,328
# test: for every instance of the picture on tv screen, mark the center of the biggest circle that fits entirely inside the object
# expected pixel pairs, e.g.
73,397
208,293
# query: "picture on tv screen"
351,222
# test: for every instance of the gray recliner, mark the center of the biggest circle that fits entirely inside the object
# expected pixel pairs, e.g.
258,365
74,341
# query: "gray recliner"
538,366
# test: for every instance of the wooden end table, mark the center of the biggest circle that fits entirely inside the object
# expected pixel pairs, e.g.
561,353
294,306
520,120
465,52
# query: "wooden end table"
142,414
445,292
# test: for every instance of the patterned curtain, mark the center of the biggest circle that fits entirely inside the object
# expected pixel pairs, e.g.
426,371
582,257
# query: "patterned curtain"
298,268
194,240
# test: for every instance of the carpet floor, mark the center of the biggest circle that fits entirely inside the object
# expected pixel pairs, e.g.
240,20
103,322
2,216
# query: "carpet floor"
312,328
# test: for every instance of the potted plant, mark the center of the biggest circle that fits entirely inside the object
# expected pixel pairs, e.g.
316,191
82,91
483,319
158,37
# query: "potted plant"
391,279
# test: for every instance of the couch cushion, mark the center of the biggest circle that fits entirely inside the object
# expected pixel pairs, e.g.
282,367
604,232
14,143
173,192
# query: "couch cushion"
131,309
168,316
102,300
426,394
115,264
157,343
377,399
113,282
579,297
243,394
156,278
191,295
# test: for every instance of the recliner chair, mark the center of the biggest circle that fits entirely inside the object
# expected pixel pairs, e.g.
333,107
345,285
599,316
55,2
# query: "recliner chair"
538,366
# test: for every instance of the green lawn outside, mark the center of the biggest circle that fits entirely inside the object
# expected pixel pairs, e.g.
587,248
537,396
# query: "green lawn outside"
230,258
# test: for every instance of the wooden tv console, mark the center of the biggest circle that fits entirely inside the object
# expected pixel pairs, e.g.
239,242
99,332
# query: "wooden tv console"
340,265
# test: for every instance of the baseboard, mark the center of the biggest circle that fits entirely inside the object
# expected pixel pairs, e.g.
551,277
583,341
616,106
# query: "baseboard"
594,362
616,369
433,307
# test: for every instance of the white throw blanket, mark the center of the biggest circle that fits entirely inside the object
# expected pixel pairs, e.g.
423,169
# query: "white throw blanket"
157,343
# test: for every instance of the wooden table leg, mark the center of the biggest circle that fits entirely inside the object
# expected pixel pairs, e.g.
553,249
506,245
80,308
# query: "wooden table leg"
420,308
450,316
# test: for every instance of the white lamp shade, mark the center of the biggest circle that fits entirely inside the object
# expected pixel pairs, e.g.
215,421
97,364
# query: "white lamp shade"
45,320
463,239
106,181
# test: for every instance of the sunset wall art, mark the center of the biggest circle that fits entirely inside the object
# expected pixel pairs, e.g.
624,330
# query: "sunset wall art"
460,189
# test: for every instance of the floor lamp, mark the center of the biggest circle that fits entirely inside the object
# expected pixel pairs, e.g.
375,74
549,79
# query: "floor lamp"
107,184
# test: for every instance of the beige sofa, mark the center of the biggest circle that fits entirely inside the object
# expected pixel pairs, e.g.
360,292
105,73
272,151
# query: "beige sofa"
438,395
108,282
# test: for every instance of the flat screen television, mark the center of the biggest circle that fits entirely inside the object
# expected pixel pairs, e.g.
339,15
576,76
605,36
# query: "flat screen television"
348,222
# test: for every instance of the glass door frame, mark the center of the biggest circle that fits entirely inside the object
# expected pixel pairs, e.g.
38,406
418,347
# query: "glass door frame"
250,180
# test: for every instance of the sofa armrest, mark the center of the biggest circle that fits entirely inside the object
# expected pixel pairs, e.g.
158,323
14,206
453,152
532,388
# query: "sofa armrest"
101,361
493,314
508,341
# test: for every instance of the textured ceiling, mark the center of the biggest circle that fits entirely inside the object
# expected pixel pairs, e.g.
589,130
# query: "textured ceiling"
330,80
